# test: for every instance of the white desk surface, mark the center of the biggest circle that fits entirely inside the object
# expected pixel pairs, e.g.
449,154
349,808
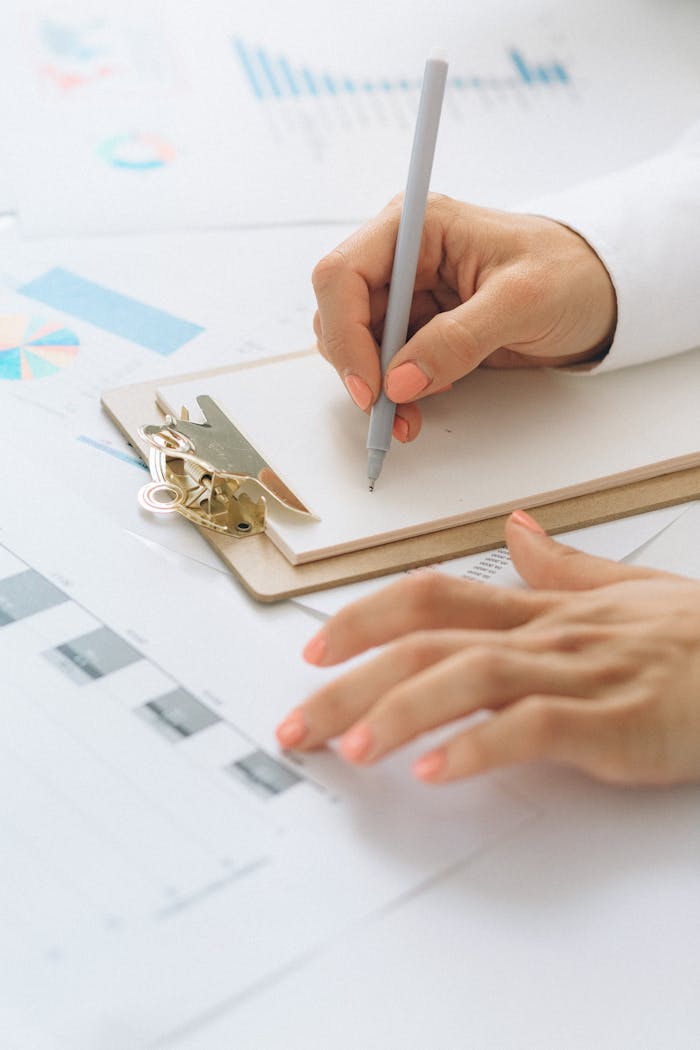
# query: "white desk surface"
581,931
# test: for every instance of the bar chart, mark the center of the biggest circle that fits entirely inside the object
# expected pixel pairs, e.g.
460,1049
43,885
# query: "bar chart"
84,701
163,850
275,77
322,106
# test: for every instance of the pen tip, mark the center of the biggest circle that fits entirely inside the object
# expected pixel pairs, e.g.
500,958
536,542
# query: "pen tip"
371,486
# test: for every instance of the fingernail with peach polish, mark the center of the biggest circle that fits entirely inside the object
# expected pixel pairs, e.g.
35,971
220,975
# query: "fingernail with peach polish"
314,650
400,429
356,743
521,518
404,382
430,766
359,391
292,730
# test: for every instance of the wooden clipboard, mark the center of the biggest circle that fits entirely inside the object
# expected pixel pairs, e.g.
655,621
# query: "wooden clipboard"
269,577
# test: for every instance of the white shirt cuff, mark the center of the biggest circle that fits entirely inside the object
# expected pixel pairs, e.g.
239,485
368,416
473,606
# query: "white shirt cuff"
644,224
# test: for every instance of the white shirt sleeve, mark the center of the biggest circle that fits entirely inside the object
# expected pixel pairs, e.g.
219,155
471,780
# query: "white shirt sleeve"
644,224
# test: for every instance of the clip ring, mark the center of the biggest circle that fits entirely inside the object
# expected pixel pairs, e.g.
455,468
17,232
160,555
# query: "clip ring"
160,497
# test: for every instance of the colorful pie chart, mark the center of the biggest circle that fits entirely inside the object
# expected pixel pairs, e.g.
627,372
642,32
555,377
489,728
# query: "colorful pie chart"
33,348
136,152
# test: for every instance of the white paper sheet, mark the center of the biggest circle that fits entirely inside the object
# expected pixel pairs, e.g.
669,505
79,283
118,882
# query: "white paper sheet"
235,296
581,933
160,855
250,293
496,441
676,549
204,115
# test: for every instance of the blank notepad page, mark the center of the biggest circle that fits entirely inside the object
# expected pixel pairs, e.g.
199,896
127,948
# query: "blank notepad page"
498,440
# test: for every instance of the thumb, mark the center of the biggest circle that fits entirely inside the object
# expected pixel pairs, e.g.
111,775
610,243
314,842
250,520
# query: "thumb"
546,564
451,344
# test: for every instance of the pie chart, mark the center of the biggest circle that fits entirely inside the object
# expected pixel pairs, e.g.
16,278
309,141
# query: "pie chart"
136,152
33,348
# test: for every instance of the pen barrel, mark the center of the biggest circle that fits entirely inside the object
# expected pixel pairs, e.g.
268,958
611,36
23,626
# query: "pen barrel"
403,276
381,422
408,242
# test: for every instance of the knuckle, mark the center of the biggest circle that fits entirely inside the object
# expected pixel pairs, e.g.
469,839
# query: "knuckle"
446,209
568,565
613,672
333,349
326,271
398,716
415,651
423,592
440,200
578,638
621,760
527,288
330,708
320,342
646,750
396,202
474,751
348,626
564,553
350,622
484,663
458,342
613,769
541,721
567,638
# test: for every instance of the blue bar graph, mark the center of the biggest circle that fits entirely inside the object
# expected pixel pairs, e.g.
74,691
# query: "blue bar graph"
291,79
268,71
543,74
522,67
249,68
111,311
274,77
310,82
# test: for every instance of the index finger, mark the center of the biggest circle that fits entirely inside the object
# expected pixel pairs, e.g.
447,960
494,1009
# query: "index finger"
344,318
343,282
424,600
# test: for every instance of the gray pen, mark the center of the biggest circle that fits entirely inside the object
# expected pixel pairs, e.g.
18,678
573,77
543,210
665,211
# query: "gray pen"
403,274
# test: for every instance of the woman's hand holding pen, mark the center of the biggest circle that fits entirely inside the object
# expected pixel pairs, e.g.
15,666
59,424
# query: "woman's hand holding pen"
492,288
596,667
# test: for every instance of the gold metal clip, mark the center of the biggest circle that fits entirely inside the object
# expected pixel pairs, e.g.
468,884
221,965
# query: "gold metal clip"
199,470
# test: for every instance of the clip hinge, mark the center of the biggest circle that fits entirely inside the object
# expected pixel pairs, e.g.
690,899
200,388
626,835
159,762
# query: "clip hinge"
199,470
